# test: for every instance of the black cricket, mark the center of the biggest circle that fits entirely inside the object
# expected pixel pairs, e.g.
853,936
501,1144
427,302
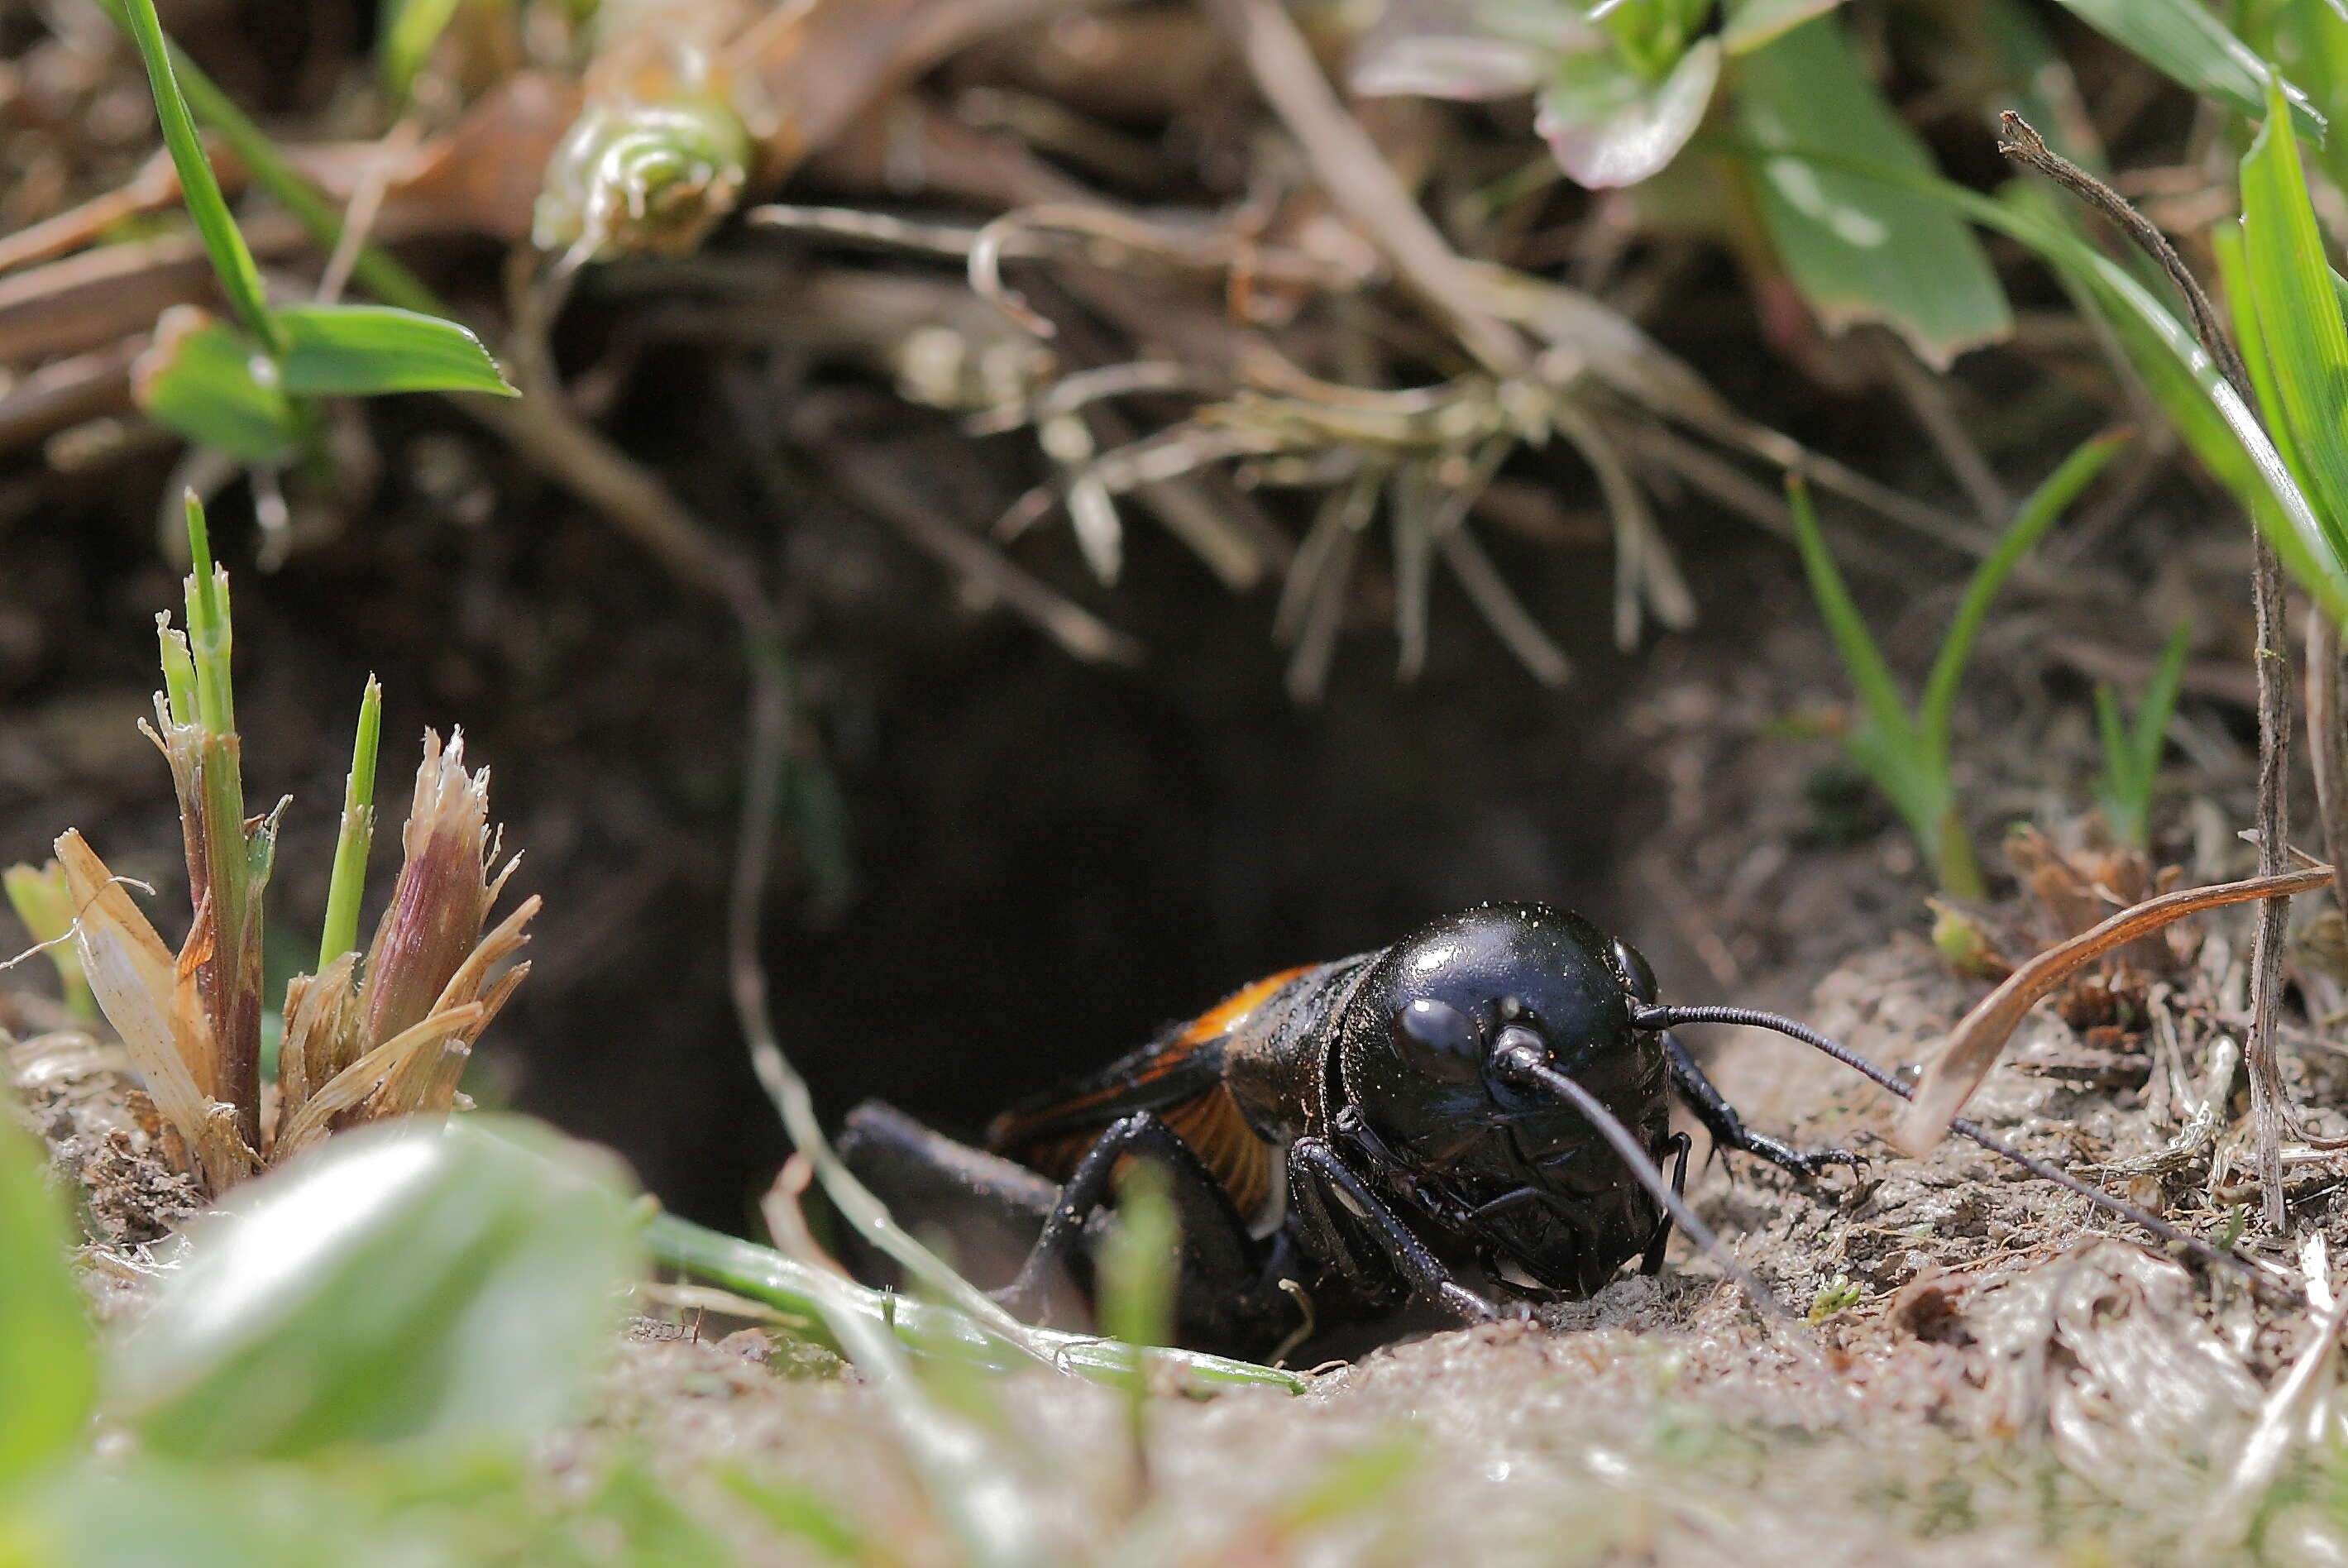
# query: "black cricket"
1492,1089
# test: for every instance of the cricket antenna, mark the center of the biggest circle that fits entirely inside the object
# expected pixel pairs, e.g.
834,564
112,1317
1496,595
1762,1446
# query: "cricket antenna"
1664,1017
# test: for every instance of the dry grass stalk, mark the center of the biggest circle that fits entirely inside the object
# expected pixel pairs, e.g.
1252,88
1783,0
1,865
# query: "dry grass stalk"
359,1045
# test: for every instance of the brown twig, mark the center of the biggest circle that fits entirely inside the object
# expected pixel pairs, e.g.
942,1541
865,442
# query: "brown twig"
2270,1107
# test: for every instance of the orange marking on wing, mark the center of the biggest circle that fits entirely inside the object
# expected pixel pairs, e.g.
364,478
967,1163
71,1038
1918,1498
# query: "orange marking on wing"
1210,1122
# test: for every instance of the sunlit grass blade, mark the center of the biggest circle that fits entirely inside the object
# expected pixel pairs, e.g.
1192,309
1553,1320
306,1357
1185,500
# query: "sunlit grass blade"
1862,659
2302,332
340,934
356,350
2307,40
1860,250
1138,1276
2184,42
929,1328
47,1369
240,279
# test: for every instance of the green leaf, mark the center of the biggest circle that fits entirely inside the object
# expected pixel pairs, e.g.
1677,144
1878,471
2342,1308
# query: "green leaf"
48,1371
362,350
1860,250
1754,23
44,905
1609,127
238,278
402,1280
2301,329
204,379
2180,39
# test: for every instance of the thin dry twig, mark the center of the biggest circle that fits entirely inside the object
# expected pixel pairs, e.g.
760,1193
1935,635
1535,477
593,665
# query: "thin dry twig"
2269,1106
1360,180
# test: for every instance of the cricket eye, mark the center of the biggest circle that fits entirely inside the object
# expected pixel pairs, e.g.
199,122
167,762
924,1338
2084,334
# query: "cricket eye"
1439,1040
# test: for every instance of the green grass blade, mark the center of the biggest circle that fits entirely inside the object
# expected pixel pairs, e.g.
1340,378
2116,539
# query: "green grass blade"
210,635
48,1374
1879,693
1860,250
2308,40
2299,316
2030,524
365,350
340,934
2180,39
238,278
926,1328
374,270
2117,789
408,31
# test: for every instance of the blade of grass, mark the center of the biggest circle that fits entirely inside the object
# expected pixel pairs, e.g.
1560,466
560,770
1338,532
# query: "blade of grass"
240,279
2132,752
340,934
2030,524
375,271
2180,39
1137,1296
927,1328
2300,328
1879,692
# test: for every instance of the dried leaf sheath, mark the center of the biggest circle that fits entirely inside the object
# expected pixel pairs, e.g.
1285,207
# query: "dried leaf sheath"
152,1001
443,895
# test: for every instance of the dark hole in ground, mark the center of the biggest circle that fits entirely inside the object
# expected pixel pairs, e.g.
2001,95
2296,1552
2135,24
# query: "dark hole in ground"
1053,860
